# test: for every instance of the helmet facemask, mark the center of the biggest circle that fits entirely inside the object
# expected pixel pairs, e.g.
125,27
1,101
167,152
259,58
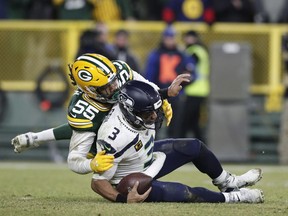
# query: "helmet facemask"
149,122
105,94
95,75
146,118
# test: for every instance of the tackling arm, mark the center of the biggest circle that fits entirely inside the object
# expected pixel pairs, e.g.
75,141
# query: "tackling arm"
79,147
175,87
172,91
31,140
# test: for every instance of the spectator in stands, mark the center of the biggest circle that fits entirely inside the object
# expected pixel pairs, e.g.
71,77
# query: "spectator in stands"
70,9
283,17
102,28
261,15
183,10
195,93
17,9
148,10
100,11
111,10
234,11
121,47
91,42
3,9
276,10
39,10
164,64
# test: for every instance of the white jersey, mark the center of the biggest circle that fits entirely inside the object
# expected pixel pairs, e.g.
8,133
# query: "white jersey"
132,148
82,140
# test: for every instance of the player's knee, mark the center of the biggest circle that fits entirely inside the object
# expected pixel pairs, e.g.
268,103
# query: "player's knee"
172,192
183,193
189,147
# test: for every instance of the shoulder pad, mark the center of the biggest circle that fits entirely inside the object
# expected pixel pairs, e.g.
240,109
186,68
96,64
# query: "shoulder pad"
120,65
86,114
124,72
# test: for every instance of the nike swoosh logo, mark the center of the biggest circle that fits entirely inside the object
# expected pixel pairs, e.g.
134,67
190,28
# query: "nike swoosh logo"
107,148
73,115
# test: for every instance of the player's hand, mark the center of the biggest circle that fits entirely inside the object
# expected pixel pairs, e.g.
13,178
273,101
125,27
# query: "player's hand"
101,162
134,197
168,112
24,142
175,87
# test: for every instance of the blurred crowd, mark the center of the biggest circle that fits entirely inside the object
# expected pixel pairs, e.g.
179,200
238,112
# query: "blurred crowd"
210,11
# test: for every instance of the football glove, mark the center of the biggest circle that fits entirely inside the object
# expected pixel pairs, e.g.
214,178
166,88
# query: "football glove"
101,162
24,142
168,112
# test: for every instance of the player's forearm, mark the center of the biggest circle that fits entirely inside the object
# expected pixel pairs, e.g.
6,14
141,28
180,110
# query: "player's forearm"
104,188
79,164
44,136
79,147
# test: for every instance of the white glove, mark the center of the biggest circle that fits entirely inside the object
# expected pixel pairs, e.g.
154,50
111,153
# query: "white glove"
24,142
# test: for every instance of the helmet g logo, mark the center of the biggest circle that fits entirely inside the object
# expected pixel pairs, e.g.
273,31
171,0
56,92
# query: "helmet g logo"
85,75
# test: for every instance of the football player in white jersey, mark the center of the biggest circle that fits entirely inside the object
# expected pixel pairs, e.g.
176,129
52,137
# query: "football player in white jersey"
128,133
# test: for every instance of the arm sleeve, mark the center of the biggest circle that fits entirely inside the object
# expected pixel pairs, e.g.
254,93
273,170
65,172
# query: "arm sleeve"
157,164
80,145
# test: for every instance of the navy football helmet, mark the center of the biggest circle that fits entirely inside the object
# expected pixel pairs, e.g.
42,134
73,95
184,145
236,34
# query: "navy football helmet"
139,102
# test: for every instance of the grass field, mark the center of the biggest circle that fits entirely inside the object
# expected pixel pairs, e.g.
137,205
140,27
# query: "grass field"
51,189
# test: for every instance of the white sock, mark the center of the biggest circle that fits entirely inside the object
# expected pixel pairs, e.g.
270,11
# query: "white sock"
44,136
221,178
227,197
232,197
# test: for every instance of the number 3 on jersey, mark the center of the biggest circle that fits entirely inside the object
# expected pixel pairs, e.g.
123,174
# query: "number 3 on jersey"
115,132
83,107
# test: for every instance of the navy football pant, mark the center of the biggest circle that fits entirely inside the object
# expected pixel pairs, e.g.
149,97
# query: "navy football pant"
179,152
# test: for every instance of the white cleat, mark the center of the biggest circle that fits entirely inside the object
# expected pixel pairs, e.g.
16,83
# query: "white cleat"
24,142
245,195
236,182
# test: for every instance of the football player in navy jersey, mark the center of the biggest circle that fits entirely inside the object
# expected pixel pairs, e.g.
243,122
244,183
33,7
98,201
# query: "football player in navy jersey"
128,133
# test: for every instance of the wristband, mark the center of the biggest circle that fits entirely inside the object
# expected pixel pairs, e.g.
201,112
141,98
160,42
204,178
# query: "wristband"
163,93
121,198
